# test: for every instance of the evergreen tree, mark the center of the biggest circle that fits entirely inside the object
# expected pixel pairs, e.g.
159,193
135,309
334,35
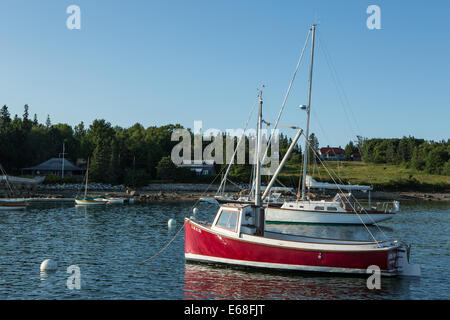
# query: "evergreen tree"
25,113
5,118
35,121
313,147
48,123
27,123
350,149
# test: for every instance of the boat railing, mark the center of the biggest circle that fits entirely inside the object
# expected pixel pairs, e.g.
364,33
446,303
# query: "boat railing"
385,206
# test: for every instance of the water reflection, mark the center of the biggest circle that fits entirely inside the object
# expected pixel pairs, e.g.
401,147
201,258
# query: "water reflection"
108,242
214,282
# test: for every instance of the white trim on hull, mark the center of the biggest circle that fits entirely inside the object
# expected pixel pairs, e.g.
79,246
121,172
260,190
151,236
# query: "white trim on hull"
11,208
13,204
89,203
116,200
280,215
277,266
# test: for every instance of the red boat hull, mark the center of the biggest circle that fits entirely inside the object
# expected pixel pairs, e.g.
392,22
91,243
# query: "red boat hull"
203,244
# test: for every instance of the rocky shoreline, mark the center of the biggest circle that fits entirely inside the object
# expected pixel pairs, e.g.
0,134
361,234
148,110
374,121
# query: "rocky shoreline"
180,191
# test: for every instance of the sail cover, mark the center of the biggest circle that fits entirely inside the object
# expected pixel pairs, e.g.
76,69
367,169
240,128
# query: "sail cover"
311,183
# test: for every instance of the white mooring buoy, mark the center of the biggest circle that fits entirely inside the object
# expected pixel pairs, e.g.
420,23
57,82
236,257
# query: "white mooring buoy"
171,222
195,210
48,265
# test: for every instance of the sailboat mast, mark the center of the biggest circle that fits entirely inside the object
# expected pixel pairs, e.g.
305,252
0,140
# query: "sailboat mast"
62,166
87,177
259,214
305,156
258,162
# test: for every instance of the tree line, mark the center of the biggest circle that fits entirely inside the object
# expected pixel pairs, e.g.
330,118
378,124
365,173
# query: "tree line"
136,155
428,156
133,156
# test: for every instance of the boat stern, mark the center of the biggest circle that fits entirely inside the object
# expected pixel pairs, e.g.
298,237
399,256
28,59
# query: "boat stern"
404,266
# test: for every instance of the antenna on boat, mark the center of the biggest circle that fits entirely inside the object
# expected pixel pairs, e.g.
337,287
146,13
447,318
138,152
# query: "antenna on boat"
258,149
259,211
308,109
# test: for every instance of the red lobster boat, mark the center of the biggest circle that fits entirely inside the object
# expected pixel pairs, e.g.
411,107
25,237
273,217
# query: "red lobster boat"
238,236
234,238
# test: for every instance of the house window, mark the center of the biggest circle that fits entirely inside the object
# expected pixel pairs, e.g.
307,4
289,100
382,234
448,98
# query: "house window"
319,208
228,220
331,208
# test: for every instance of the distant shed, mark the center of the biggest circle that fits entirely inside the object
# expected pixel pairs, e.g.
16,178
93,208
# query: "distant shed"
54,166
203,168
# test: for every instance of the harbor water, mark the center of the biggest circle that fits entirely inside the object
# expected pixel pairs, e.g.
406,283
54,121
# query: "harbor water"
108,243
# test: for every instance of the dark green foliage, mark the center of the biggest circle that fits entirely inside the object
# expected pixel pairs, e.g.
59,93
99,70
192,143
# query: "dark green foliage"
167,170
429,156
313,148
135,156
116,155
350,149
136,178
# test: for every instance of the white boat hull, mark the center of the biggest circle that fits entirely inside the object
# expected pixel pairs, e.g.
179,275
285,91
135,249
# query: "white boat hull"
9,208
116,200
89,202
13,204
279,215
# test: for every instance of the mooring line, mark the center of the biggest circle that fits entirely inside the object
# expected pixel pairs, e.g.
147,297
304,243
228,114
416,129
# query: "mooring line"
165,247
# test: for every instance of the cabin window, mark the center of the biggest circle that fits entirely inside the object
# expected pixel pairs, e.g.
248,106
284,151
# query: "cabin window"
319,208
331,208
228,220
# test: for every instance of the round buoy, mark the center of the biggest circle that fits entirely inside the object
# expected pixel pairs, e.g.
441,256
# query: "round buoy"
48,265
171,222
195,210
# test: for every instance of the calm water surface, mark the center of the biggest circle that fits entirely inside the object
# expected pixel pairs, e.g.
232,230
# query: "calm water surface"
107,244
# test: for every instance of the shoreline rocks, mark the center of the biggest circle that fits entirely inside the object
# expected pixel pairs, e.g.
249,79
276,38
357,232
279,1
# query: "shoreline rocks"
190,191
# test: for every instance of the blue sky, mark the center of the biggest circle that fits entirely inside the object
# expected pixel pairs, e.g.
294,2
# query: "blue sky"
161,62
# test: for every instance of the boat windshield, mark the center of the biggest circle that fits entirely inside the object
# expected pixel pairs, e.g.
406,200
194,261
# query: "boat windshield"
346,201
228,220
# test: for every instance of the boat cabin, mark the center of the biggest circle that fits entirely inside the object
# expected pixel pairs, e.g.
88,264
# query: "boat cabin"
347,201
237,218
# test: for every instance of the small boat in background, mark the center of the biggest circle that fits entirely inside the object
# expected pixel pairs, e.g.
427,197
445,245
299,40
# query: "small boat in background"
10,203
23,181
118,200
89,201
13,204
343,209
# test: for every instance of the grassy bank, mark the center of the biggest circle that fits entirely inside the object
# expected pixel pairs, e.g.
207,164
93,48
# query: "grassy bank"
383,177
380,176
